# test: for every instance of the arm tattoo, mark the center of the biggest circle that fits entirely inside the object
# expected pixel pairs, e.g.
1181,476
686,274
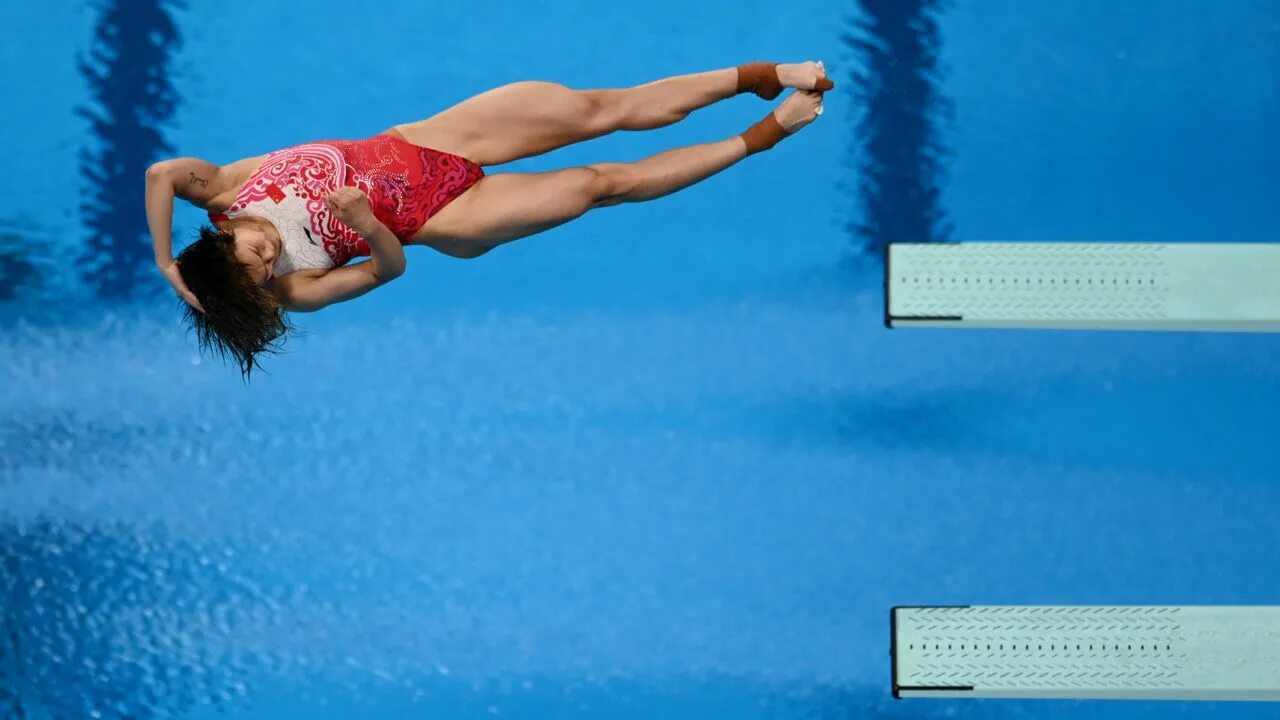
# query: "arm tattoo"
203,182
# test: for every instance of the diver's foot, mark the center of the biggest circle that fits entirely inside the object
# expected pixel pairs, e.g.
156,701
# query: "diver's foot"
804,76
767,79
794,113
799,109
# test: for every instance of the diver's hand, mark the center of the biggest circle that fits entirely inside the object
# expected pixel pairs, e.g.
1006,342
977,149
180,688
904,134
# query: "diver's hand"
351,206
175,279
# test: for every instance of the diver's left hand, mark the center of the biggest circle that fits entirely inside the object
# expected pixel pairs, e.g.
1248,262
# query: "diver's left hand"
351,206
174,276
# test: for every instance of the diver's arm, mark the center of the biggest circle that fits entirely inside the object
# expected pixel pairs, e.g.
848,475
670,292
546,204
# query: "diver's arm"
302,292
386,255
191,179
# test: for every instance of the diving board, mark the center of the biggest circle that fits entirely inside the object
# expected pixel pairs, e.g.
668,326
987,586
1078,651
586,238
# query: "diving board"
1103,286
1100,652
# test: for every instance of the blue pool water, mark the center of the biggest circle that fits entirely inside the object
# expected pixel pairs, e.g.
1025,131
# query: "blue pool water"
665,460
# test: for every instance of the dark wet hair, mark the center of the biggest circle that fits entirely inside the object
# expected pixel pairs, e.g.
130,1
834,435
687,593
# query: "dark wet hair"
242,319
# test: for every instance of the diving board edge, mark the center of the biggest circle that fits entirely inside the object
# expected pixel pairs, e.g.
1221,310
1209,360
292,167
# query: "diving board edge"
889,317
893,652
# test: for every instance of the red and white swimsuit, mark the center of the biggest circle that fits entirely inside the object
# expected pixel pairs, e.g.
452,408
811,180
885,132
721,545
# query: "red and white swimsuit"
406,185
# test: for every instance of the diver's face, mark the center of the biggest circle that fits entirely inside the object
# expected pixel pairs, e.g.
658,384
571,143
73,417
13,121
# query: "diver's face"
257,253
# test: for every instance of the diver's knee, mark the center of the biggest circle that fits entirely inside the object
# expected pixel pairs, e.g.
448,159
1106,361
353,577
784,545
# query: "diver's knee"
612,182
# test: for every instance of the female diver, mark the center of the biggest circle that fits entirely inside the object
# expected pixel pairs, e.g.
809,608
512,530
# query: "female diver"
285,224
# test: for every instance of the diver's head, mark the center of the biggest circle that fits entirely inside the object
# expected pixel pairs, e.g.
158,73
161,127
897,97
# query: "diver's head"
227,270
257,245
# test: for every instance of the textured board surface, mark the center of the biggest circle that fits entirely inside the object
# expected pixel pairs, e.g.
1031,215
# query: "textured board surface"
1186,286
1104,652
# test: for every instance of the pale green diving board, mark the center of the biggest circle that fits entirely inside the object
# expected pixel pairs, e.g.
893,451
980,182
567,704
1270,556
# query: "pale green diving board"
1102,286
1100,652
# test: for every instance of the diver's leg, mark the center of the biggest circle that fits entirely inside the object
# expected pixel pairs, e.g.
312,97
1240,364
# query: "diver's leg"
533,117
507,206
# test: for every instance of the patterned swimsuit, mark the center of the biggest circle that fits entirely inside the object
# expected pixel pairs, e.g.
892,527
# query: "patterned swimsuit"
406,185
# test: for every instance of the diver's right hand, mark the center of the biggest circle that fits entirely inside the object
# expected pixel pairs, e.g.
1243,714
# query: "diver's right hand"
174,277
